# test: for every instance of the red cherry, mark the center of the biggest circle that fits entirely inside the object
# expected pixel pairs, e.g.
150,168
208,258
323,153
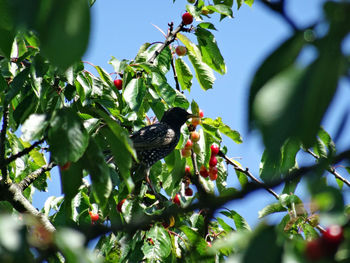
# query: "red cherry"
203,171
214,149
185,153
195,121
201,114
65,167
187,18
194,136
120,205
188,192
176,199
181,50
118,83
213,161
213,173
314,250
187,170
94,217
333,235
189,144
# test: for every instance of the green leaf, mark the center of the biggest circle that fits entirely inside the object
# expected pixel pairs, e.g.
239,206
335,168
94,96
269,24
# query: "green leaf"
272,166
167,93
204,74
33,128
121,148
71,180
94,162
279,60
106,78
6,39
210,51
264,246
272,208
134,93
119,66
195,238
17,85
212,126
221,9
206,25
67,137
327,140
64,28
160,247
240,222
184,74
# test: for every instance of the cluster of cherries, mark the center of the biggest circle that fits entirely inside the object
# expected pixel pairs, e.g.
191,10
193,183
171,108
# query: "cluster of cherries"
325,246
213,170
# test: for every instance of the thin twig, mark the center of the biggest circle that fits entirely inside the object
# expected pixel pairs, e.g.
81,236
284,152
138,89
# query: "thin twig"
23,152
177,85
4,173
330,169
170,38
249,174
28,180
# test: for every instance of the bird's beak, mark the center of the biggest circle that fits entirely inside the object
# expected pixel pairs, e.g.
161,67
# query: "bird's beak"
189,116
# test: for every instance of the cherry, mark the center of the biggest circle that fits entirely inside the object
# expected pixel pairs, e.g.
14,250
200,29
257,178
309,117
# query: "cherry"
213,173
189,145
181,50
188,192
187,18
203,171
214,149
201,114
314,250
118,83
94,217
195,121
333,235
213,161
187,170
194,136
65,167
176,199
186,152
120,205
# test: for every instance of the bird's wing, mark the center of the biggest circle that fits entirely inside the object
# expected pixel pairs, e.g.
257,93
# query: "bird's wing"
153,136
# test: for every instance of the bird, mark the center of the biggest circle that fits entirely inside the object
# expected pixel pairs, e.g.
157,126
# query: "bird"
154,142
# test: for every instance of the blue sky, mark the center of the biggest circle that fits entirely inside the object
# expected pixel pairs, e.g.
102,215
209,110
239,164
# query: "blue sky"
119,28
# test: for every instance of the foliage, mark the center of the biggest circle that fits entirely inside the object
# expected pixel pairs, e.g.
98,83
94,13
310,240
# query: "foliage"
53,108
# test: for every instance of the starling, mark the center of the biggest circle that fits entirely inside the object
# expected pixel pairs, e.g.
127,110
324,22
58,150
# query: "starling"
156,141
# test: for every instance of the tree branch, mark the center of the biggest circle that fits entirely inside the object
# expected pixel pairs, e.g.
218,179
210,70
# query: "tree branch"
23,152
34,175
330,169
15,196
212,202
249,174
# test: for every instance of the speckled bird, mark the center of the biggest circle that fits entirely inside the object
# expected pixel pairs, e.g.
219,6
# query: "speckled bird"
156,141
